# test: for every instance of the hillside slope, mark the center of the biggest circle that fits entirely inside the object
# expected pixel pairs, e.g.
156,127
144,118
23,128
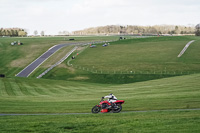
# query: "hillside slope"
31,95
132,60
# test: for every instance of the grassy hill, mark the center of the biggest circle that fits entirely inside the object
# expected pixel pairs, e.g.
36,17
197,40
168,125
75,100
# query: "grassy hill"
53,96
132,60
21,95
15,58
142,54
97,72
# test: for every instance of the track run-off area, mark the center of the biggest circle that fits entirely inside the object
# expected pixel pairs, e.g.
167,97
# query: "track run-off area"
139,111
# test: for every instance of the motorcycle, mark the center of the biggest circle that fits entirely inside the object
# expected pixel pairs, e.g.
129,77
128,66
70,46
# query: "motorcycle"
105,106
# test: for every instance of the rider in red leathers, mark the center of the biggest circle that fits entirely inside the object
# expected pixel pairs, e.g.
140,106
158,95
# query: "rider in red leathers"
111,98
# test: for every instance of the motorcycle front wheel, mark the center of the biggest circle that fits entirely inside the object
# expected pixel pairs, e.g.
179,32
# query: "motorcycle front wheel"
96,109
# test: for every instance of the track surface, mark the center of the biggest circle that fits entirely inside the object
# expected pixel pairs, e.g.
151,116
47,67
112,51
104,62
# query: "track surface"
35,64
31,67
101,113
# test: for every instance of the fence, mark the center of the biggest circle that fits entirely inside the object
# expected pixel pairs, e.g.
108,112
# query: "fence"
68,54
59,62
158,72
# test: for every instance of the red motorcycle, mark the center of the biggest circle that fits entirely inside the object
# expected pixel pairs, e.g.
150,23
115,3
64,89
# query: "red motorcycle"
105,106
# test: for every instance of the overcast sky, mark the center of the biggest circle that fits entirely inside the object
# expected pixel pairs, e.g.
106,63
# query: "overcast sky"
53,16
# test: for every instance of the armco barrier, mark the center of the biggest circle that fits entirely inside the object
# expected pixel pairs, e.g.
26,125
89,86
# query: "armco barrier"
59,62
68,54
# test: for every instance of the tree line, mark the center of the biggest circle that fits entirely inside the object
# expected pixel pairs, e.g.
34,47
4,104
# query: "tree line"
133,29
12,32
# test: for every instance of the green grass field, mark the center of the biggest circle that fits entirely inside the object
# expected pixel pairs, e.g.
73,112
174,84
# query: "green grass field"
48,96
142,54
165,122
132,60
15,58
55,96
68,89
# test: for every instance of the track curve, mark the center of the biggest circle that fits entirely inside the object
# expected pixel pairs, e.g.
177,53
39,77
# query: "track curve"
35,64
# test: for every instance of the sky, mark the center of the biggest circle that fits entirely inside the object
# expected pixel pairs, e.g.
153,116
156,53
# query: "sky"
53,16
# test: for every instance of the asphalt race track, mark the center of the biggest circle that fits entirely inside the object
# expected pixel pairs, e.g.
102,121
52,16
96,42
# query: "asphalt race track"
35,64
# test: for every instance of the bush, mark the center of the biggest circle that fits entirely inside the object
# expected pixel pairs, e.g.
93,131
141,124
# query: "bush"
197,32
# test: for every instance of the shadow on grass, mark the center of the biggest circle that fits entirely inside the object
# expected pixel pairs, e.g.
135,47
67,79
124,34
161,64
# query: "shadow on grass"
111,78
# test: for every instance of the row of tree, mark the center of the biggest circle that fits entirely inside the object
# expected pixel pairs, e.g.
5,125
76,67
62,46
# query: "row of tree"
197,31
115,29
36,33
12,32
133,29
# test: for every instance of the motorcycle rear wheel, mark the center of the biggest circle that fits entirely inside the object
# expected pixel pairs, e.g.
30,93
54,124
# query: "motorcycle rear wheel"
118,109
96,109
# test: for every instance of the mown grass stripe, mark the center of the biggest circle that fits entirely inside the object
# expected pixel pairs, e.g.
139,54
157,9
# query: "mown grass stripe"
31,89
67,89
16,88
75,89
23,88
45,88
8,88
54,90
51,90
2,88
64,89
37,88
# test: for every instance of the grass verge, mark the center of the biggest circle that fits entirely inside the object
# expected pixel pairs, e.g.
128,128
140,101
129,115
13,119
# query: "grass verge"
165,122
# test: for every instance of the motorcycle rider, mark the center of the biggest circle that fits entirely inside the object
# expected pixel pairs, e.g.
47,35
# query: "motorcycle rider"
111,98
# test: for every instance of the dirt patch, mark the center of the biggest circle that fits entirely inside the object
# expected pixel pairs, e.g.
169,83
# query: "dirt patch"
30,56
62,66
71,69
19,63
80,48
79,78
